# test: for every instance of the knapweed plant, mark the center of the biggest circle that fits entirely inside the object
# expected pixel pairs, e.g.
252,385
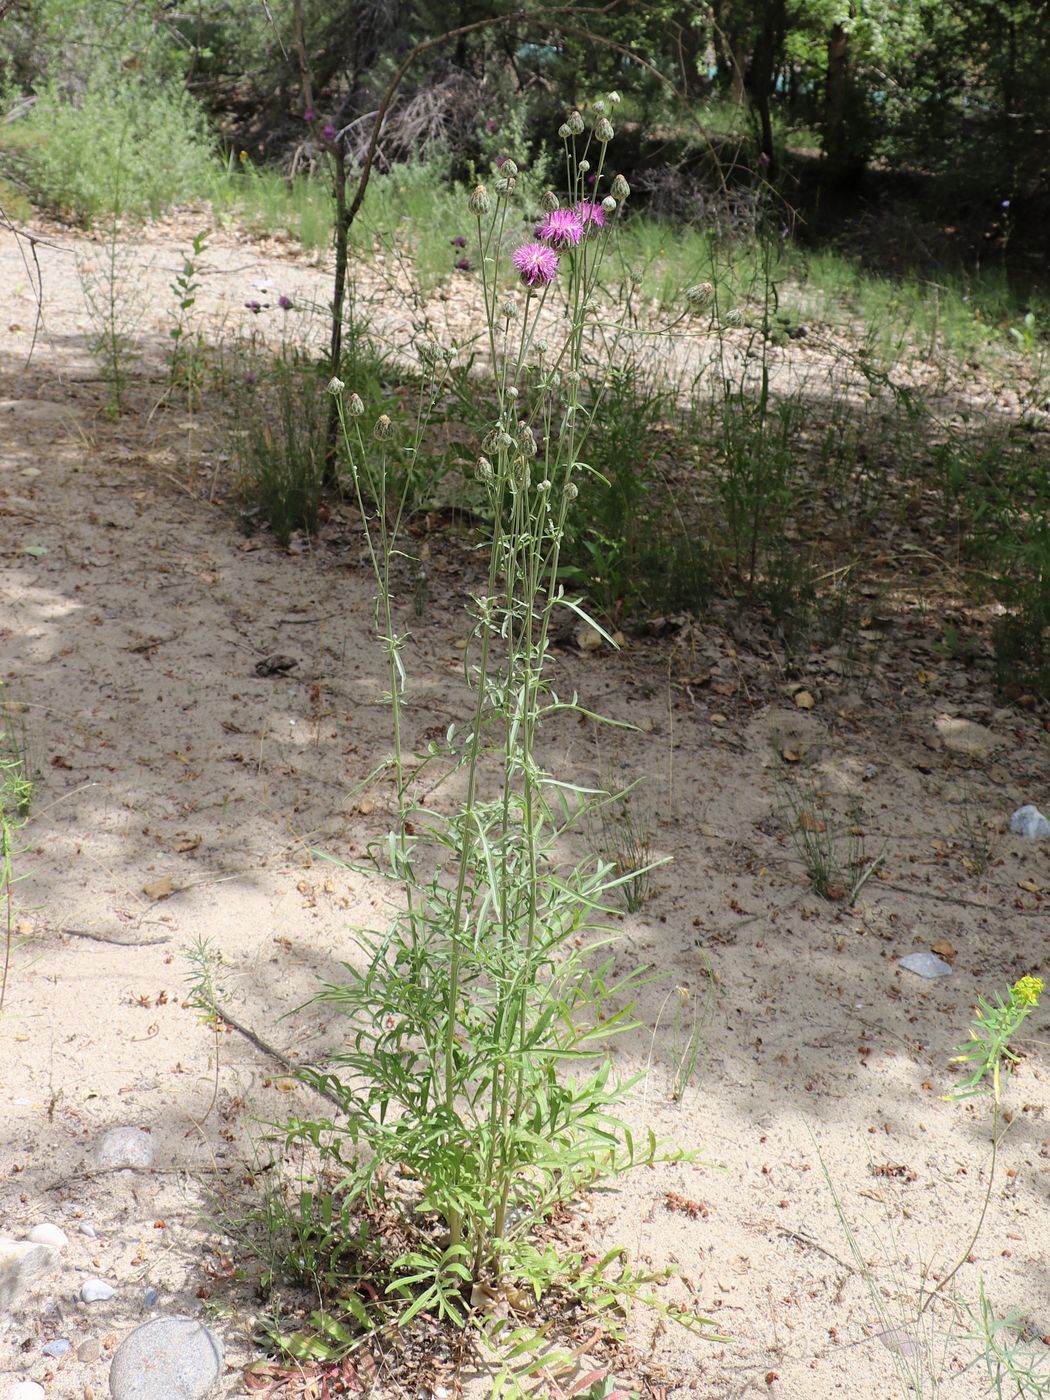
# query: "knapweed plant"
475,1083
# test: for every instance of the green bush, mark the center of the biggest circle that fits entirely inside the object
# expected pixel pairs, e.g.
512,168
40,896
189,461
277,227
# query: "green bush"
132,150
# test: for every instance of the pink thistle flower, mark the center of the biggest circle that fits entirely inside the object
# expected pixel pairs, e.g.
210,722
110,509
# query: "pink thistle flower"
309,115
590,214
537,264
561,228
328,132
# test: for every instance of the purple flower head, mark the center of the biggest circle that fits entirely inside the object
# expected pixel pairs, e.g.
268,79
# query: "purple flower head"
254,307
590,215
592,178
309,115
285,303
763,160
537,264
561,228
464,265
459,242
328,132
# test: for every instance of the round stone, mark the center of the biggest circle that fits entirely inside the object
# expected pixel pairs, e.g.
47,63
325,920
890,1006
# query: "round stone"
49,1235
170,1358
58,1347
95,1290
88,1349
126,1147
24,1390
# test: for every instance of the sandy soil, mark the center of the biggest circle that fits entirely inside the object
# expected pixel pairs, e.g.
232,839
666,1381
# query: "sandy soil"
183,796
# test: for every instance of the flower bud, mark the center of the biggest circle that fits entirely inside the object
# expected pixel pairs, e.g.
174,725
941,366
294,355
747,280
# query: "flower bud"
506,185
483,470
699,296
548,201
479,202
619,189
584,166
609,204
354,406
734,317
490,442
508,168
571,491
509,310
565,131
598,107
613,99
383,429
512,391
575,123
335,386
603,131
541,347
526,439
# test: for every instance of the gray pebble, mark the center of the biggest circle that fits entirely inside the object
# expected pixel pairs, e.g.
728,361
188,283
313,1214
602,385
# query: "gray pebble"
170,1358
126,1147
58,1347
49,1235
96,1291
86,1229
1030,823
88,1349
150,1297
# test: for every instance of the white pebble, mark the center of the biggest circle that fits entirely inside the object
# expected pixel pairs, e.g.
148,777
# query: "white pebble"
96,1291
48,1234
86,1229
25,1390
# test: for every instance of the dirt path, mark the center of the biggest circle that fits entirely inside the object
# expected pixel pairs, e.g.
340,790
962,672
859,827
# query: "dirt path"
181,796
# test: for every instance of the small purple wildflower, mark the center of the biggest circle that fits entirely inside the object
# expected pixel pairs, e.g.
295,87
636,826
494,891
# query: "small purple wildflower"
309,115
254,307
537,264
285,303
592,178
590,214
464,265
459,242
561,228
328,132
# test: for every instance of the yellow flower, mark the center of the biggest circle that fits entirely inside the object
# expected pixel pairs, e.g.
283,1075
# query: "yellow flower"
244,157
1027,991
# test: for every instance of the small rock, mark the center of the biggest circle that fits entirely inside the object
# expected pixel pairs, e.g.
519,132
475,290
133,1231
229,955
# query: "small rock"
96,1290
48,1234
149,1298
926,965
1030,823
58,1347
25,1390
126,1147
170,1358
89,1349
963,736
87,1229
20,1262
